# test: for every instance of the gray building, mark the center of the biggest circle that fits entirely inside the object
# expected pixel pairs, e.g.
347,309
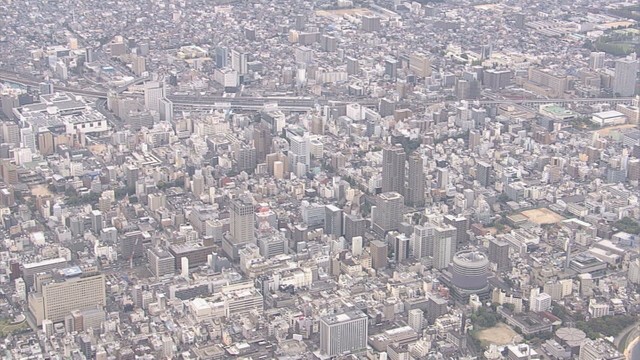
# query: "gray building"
343,333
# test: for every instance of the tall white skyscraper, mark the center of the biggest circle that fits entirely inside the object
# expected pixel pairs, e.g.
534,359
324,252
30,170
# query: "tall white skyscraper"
416,317
299,149
444,246
624,81
28,138
423,240
343,333
153,93
596,60
239,62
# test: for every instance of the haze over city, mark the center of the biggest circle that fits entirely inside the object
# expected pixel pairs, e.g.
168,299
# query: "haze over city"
331,179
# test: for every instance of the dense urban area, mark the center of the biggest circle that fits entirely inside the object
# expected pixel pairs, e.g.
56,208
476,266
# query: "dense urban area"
328,179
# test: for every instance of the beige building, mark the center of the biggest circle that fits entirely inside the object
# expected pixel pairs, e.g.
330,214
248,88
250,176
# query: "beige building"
61,293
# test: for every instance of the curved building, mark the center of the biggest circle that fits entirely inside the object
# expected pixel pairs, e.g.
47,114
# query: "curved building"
469,270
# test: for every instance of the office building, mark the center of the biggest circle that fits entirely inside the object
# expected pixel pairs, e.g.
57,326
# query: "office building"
153,93
416,319
371,23
391,68
483,173
495,79
28,139
354,225
31,269
97,221
596,60
401,248
624,80
461,224
239,61
420,65
343,333
423,241
499,254
379,254
221,57
444,245
262,142
333,220
60,292
161,262
415,182
393,159
242,219
388,212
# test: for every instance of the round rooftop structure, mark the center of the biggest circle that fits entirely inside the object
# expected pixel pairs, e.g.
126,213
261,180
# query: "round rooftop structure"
570,336
469,270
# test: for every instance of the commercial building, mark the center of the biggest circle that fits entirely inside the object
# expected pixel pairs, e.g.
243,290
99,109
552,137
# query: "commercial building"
388,212
60,292
343,333
393,168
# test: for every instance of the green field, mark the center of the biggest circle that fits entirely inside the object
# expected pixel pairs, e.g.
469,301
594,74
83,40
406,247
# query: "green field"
6,328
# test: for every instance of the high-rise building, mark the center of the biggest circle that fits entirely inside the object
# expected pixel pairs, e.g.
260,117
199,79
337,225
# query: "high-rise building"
299,149
416,319
596,60
444,245
391,68
541,302
379,251
61,292
221,57
420,65
496,79
415,182
634,271
354,226
239,61
333,220
371,23
483,173
353,66
423,240
343,333
153,93
262,142
45,142
401,248
138,65
28,139
197,183
161,262
624,80
387,214
499,254
97,221
555,85
461,224
242,219
393,159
